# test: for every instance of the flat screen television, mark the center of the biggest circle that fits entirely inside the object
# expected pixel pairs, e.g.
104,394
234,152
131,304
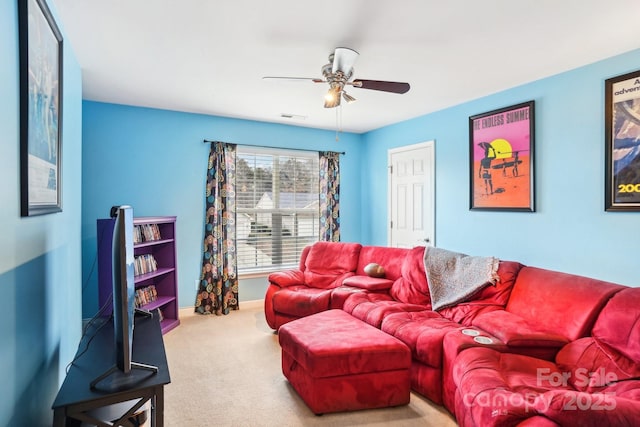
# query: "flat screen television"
123,285
123,281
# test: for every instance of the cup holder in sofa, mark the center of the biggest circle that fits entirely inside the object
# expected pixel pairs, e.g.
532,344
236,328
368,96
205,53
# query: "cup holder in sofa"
475,334
483,340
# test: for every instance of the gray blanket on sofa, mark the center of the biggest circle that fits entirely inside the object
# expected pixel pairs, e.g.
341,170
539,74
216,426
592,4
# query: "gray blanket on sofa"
453,277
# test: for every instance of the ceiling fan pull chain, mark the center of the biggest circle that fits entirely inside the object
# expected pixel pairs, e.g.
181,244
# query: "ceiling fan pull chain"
339,117
337,127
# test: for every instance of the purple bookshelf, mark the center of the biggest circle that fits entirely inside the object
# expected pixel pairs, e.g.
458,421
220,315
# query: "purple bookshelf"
155,239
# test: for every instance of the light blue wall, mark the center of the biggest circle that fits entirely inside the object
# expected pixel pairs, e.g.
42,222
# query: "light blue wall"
570,231
162,153
155,161
40,274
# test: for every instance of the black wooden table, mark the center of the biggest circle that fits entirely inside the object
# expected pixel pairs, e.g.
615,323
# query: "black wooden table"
96,355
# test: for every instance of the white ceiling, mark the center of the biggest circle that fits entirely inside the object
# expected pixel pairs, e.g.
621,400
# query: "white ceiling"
209,56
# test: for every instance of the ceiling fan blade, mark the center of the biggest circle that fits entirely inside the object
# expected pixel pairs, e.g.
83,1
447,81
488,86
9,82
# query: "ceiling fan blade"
296,79
343,59
394,87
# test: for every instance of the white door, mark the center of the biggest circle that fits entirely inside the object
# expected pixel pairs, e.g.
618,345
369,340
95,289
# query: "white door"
411,196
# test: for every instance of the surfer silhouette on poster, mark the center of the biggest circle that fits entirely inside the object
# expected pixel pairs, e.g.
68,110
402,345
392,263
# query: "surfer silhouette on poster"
485,166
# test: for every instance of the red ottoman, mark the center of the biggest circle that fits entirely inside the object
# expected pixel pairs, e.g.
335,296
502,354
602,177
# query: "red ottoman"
338,363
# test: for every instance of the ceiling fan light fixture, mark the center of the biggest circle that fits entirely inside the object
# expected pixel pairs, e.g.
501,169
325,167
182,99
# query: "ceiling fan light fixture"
332,98
343,60
350,99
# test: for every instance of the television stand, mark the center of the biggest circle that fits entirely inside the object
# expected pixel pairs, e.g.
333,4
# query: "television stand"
122,382
76,399
142,312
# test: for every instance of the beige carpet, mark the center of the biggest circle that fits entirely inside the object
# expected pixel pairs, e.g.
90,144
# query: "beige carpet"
225,371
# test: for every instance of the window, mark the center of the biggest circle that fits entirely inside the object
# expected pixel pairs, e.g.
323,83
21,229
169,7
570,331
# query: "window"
277,206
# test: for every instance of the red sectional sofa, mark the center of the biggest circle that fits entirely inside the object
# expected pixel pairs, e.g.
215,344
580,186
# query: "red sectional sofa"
539,347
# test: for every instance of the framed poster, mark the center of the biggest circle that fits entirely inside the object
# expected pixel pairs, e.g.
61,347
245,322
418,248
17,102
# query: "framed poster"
501,173
40,109
622,137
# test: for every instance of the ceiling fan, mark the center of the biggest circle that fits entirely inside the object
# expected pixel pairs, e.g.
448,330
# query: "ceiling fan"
339,73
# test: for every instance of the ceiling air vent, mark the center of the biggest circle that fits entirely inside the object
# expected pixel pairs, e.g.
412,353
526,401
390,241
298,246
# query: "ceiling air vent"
292,116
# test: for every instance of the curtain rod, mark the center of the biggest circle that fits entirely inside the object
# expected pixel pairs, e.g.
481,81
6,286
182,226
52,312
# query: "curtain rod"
280,148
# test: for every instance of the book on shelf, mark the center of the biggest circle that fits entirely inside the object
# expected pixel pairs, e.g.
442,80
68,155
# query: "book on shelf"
143,264
146,233
137,234
145,295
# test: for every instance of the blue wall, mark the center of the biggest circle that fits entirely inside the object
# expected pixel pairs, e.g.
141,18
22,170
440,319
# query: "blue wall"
155,161
570,231
162,153
40,274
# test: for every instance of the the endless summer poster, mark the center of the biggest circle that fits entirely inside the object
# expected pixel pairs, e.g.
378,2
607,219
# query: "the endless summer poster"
502,147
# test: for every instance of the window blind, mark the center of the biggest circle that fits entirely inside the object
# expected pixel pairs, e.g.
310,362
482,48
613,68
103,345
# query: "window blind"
277,206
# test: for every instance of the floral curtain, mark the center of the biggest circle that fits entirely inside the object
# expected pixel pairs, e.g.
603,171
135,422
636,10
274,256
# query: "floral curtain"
218,290
329,196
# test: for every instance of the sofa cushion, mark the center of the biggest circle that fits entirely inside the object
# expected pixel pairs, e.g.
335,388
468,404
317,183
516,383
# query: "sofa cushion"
287,278
575,408
490,298
301,301
408,327
332,257
368,283
411,287
303,257
429,334
612,354
328,263
618,325
588,368
390,259
357,298
568,304
515,331
342,293
372,308
499,389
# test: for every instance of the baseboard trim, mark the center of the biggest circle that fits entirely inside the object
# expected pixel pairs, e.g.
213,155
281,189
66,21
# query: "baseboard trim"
258,303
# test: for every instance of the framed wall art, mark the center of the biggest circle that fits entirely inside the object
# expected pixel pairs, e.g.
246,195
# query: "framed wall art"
501,154
622,138
40,109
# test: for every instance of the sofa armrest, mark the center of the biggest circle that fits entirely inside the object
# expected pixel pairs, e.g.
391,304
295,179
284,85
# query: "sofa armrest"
514,331
287,278
368,283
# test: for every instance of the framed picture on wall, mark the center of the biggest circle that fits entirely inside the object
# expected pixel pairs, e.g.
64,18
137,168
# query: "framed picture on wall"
501,154
622,138
40,109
